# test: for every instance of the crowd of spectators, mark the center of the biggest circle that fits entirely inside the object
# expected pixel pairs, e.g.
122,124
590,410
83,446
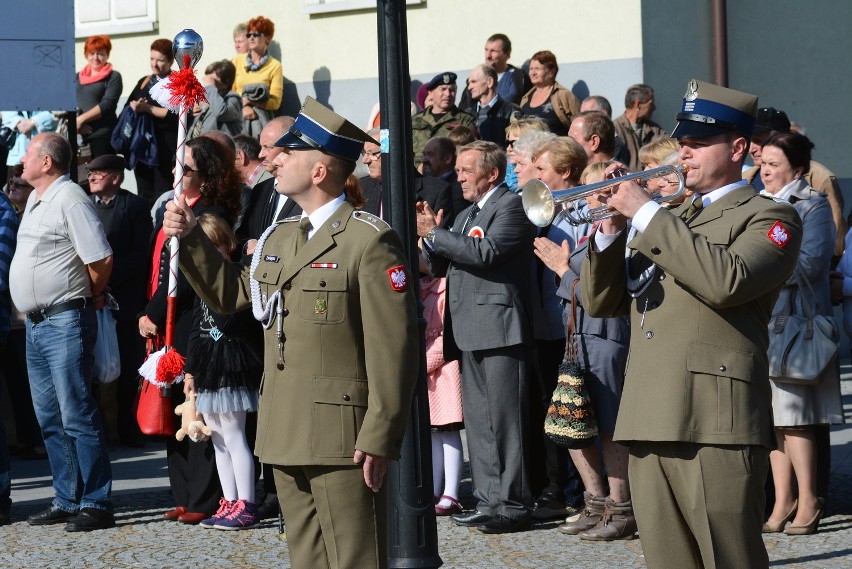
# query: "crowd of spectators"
514,300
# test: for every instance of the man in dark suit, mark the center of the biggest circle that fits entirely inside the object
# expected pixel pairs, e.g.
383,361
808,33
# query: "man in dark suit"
439,161
433,191
486,258
127,224
266,205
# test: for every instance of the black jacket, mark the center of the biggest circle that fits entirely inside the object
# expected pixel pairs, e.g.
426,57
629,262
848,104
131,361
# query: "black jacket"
261,209
434,191
493,128
128,236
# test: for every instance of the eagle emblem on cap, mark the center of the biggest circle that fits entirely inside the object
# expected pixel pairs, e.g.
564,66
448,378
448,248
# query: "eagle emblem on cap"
447,79
691,90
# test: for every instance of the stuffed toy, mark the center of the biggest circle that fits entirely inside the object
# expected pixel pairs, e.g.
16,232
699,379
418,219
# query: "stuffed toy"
191,421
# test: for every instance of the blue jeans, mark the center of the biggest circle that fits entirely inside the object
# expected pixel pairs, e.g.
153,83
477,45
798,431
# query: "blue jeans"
59,358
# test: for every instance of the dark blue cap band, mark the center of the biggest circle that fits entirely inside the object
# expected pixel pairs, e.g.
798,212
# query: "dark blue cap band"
306,133
713,113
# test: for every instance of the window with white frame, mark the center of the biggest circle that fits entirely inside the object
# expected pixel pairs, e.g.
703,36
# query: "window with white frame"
114,17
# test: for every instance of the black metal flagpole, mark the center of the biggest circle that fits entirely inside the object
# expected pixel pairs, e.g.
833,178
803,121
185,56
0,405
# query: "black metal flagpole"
412,530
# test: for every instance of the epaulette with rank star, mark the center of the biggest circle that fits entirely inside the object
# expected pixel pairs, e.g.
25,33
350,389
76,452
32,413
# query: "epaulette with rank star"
376,223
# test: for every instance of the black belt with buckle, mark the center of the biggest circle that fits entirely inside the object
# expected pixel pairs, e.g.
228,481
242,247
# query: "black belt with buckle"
76,304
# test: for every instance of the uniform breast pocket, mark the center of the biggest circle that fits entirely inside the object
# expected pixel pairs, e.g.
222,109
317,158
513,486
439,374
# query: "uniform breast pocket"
338,412
267,274
322,295
719,235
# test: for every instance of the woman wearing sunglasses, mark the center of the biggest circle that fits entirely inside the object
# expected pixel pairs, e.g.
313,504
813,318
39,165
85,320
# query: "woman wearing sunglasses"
259,79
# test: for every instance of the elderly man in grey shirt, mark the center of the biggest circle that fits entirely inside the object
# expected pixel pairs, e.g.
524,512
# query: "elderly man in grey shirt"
61,266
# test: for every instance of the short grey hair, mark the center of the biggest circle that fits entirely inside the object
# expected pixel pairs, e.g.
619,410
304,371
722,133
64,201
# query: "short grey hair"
58,149
490,156
531,141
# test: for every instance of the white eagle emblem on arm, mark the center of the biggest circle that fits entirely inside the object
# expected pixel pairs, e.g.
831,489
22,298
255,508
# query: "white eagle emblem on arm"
398,278
779,234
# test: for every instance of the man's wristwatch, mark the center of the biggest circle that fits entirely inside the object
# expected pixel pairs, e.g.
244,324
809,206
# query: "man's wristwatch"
430,237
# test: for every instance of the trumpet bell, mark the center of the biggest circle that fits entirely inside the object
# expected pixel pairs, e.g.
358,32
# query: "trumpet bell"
542,205
539,204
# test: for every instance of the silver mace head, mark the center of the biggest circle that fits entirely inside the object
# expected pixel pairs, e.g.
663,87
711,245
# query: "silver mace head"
188,42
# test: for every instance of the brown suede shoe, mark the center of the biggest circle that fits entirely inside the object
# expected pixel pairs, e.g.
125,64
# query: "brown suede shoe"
618,523
590,516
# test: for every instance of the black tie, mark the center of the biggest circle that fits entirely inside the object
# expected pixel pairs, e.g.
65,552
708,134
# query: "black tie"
304,228
474,210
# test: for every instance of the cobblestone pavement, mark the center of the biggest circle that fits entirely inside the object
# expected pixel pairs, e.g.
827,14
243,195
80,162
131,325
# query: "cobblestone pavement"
143,539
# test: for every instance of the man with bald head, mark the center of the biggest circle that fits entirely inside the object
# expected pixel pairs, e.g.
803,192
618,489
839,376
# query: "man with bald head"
266,205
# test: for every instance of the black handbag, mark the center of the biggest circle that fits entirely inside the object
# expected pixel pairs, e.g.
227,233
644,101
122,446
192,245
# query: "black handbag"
7,136
570,419
801,346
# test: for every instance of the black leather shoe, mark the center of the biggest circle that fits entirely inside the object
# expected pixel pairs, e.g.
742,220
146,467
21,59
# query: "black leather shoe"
548,507
269,508
468,519
91,519
503,524
52,515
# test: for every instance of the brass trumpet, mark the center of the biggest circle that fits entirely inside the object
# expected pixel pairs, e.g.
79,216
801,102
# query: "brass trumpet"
540,203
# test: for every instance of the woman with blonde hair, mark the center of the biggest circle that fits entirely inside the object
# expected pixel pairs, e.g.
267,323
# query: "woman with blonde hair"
558,162
602,345
514,131
663,151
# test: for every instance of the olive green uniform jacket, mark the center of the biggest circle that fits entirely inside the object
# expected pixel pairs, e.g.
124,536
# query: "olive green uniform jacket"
351,350
424,125
697,370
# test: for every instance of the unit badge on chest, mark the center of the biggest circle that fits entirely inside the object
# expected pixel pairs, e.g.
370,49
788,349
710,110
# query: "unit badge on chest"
320,306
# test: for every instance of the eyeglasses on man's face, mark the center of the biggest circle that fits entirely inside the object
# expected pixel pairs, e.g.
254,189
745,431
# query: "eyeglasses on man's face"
97,175
372,155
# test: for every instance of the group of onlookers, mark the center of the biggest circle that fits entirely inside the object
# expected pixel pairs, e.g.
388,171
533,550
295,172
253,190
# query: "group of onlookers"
503,298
